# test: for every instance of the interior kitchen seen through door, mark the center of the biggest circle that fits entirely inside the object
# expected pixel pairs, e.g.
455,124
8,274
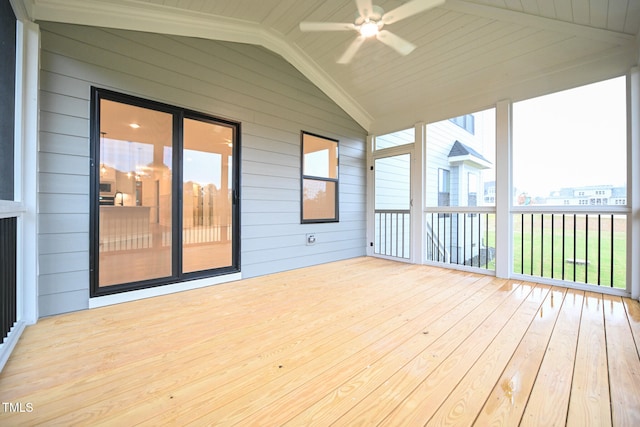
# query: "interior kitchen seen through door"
165,202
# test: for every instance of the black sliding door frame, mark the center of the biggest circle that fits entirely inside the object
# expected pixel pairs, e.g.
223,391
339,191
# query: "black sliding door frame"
178,117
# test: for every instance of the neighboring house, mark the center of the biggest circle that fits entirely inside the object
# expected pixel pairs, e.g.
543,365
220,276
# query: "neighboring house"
455,161
489,193
595,195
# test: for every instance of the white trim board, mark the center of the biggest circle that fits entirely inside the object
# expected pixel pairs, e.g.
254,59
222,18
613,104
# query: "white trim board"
119,298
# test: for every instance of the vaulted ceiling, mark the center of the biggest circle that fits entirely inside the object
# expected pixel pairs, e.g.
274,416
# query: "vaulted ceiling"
469,54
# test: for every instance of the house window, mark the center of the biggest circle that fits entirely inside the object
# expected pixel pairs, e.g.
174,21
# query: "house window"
444,187
466,122
472,189
319,179
164,194
7,99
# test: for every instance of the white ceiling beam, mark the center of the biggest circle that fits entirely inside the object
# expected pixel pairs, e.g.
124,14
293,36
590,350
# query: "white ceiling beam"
138,16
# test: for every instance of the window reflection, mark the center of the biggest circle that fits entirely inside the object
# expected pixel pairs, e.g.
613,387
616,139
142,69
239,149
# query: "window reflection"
319,178
207,231
135,193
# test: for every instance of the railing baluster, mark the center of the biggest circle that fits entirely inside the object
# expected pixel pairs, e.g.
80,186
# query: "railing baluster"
541,245
402,237
479,239
522,244
432,234
599,246
444,234
612,226
553,222
486,242
450,217
586,248
470,238
379,233
396,252
464,237
388,233
574,246
531,261
563,243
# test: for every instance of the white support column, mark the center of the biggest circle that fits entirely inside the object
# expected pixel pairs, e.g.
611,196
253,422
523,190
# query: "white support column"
370,195
417,194
25,176
504,241
26,136
633,181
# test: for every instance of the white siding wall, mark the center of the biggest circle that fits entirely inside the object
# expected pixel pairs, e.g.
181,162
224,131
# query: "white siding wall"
440,138
272,101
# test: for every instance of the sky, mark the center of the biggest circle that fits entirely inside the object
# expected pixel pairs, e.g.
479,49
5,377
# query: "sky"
571,138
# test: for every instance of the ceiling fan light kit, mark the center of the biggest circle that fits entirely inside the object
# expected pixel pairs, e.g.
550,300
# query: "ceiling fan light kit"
369,22
369,29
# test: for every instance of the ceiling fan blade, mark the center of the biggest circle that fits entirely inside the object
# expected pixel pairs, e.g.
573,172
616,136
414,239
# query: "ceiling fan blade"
402,46
348,55
326,26
365,8
408,9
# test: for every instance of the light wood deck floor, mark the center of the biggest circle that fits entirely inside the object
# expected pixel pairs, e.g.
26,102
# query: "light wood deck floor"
357,342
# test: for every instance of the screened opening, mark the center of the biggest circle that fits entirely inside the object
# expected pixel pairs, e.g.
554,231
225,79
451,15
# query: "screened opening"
569,185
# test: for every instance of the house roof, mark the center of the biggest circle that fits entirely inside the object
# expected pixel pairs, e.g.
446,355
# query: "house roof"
469,54
463,153
460,149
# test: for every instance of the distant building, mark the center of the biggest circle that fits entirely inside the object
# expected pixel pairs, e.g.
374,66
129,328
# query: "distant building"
593,195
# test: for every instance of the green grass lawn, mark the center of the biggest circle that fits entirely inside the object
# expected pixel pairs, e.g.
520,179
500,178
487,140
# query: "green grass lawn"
547,248
547,253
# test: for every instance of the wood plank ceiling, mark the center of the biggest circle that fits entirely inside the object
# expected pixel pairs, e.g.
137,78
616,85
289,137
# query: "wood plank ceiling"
469,54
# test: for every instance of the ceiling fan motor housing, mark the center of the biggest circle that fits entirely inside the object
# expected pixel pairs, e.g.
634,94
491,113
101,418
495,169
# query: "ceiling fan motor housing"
375,16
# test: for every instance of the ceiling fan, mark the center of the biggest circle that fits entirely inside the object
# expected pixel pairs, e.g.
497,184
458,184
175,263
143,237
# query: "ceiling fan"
369,23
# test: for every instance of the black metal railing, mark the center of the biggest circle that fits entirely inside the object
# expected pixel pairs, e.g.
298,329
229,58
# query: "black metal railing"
8,295
461,238
392,233
581,247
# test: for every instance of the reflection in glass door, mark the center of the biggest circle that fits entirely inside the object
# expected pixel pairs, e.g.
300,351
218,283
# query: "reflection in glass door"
135,181
392,220
207,232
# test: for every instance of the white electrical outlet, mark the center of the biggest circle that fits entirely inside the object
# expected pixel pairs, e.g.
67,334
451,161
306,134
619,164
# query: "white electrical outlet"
311,239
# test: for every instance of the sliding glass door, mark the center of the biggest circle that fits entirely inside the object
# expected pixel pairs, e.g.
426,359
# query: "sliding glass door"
207,220
164,202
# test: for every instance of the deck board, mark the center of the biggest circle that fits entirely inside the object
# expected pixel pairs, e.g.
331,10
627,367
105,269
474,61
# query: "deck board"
505,405
590,398
549,399
361,341
624,365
